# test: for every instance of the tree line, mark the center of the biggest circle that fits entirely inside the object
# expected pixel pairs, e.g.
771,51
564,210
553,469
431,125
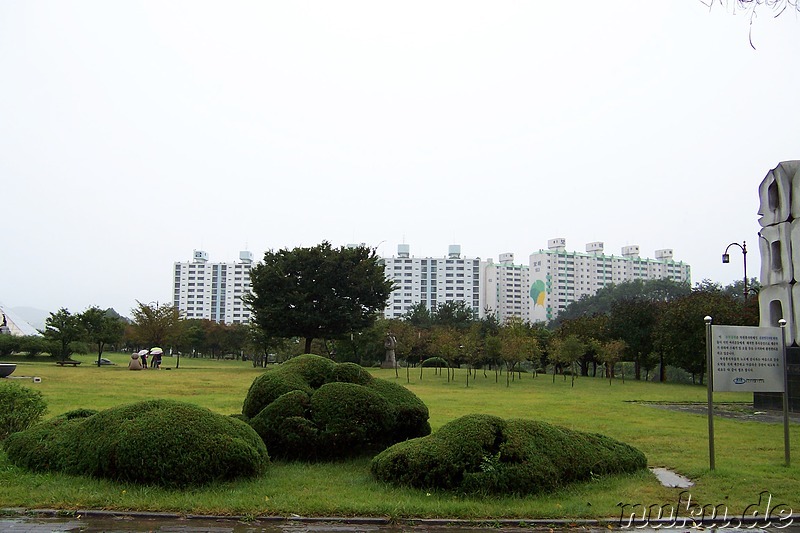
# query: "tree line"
329,301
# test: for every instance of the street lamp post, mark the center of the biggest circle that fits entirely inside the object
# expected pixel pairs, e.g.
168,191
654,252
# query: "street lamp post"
726,258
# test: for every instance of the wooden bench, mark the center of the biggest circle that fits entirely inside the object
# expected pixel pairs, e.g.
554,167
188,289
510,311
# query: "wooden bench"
70,363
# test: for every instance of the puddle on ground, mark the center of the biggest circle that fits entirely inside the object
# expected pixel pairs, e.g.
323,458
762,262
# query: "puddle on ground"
668,478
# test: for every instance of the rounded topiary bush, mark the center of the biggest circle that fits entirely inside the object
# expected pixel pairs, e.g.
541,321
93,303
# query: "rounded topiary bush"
409,413
20,407
352,419
267,387
435,362
483,454
352,373
311,408
159,442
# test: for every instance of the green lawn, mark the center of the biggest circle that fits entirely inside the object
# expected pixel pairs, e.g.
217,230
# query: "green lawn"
749,455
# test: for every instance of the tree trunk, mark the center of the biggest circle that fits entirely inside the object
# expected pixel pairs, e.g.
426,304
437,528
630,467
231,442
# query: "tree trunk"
308,344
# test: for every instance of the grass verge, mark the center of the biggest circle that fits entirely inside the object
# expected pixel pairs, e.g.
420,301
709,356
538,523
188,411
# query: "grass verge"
749,455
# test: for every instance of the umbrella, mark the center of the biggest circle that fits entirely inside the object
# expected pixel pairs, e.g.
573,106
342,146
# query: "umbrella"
143,352
156,351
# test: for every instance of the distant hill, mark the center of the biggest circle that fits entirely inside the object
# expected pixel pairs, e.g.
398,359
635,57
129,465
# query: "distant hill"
31,315
36,317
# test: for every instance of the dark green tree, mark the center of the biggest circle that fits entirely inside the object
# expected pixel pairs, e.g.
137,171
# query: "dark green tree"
63,328
418,316
659,290
101,328
455,314
680,331
633,321
318,292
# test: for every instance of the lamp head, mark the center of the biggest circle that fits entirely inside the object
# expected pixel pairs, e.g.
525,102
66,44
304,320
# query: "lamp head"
726,258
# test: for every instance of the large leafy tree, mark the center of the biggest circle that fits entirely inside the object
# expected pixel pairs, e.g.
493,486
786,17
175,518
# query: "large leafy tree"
154,324
101,328
633,321
318,292
63,328
680,331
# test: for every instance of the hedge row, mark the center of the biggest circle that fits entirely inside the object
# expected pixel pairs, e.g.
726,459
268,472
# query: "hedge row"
483,454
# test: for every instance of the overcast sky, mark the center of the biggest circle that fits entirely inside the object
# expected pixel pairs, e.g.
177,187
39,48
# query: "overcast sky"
132,133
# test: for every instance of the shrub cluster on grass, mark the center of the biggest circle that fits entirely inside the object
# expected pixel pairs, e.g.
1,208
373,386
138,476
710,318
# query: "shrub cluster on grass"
20,407
310,408
483,454
435,362
159,442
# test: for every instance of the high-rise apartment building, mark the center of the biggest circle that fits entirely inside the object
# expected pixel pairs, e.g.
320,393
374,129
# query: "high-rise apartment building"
505,288
559,277
536,292
213,291
432,281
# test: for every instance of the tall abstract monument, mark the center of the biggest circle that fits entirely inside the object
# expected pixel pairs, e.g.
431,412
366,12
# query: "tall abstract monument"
779,245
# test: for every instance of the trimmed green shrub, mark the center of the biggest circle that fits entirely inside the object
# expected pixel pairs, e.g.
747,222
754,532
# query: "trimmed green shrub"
435,362
279,425
79,413
352,419
408,413
159,442
340,411
20,407
352,373
483,454
315,370
267,387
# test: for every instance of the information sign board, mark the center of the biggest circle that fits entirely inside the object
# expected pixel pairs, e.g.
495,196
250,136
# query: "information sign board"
747,359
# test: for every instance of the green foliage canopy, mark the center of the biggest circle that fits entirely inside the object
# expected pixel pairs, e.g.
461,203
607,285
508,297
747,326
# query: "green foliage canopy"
63,328
318,292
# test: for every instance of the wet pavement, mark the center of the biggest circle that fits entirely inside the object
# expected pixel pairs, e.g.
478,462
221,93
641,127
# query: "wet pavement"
143,522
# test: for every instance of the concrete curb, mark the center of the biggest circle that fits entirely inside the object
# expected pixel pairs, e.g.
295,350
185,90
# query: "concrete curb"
612,523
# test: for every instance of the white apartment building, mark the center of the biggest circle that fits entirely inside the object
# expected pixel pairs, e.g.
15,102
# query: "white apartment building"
506,288
535,292
213,291
559,277
432,281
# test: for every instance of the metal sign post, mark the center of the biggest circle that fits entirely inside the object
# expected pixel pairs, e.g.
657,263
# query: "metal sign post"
710,378
747,359
786,452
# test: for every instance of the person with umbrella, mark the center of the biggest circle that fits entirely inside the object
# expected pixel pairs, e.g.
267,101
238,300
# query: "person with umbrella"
143,357
156,352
